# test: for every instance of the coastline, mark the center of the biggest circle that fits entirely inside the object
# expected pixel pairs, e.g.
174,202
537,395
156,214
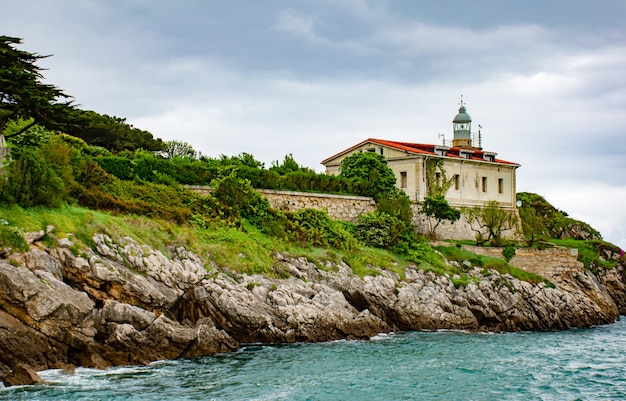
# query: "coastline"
126,304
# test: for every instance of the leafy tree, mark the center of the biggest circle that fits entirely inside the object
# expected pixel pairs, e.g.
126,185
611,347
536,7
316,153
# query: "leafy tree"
289,165
438,208
180,149
35,135
533,225
112,133
40,176
371,169
24,95
490,222
245,159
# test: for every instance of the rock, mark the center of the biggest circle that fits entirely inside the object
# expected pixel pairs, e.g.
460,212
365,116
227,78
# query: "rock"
34,236
37,259
22,345
117,312
22,374
65,243
128,304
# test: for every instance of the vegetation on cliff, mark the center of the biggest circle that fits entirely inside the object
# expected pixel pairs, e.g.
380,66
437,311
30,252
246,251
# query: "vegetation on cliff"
68,164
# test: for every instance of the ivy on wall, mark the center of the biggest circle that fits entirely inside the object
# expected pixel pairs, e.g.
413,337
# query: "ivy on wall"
435,187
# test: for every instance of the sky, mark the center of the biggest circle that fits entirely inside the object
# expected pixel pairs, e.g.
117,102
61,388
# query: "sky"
546,80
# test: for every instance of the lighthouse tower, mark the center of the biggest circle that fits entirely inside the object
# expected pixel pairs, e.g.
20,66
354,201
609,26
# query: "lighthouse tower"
462,125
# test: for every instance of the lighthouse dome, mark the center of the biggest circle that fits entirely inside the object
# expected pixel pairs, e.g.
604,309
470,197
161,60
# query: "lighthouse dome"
462,117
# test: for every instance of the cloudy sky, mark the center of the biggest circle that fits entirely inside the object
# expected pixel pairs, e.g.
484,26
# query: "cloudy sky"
545,79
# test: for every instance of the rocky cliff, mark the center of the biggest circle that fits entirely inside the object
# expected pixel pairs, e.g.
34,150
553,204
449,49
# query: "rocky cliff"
123,303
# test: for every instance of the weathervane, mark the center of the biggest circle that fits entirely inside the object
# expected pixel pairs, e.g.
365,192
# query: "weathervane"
461,102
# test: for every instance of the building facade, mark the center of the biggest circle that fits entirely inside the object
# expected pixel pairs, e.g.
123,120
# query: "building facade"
474,176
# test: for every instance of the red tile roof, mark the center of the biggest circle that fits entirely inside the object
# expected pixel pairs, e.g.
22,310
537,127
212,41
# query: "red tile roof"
425,149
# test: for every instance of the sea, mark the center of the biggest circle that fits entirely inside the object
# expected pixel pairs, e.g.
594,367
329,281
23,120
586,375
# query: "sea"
576,364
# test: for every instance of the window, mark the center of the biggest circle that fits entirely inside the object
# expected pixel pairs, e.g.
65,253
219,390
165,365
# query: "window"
403,180
500,185
438,179
484,184
457,182
381,151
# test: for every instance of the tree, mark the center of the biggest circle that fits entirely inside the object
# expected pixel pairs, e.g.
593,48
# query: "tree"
245,159
289,165
533,225
371,169
490,222
112,133
24,95
437,207
180,149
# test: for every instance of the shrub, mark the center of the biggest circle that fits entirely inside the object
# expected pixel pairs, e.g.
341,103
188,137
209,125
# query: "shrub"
120,167
508,252
379,230
238,199
399,206
33,180
312,227
422,253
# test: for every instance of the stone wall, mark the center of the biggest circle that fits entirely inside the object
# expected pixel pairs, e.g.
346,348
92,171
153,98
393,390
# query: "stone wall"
555,264
341,207
460,230
201,189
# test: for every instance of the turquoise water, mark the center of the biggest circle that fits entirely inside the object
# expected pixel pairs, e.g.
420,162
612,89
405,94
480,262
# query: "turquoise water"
580,364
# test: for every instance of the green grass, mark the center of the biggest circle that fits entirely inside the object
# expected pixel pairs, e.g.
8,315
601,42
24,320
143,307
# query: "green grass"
589,252
241,250
84,223
247,249
486,262
362,260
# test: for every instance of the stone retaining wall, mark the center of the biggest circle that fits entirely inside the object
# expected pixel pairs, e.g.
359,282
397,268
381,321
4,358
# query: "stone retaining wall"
341,207
555,264
461,229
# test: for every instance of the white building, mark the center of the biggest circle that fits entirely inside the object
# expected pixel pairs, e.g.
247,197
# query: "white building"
476,176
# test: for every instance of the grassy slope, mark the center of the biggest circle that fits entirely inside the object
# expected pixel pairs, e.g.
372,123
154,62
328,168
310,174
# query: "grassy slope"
244,250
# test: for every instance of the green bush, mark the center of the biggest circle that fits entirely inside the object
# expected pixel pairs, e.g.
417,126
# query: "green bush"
423,254
379,230
38,176
120,167
312,227
238,199
508,252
